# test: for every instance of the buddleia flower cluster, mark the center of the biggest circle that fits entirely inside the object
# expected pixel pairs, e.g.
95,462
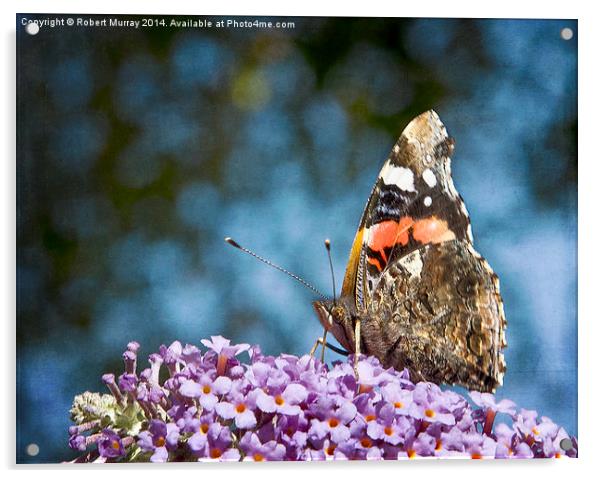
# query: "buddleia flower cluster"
190,405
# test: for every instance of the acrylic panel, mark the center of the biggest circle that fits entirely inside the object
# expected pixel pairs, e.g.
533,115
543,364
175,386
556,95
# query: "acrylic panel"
144,141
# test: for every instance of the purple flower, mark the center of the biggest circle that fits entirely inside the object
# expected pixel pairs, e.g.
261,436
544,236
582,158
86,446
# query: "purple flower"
191,355
109,381
128,382
508,445
371,374
156,361
239,406
110,444
213,407
172,357
364,449
489,408
332,419
430,405
213,443
255,353
291,430
222,346
158,439
479,446
525,425
129,357
421,445
285,403
398,397
200,428
256,451
366,410
77,442
487,401
266,376
224,351
329,451
206,390
388,427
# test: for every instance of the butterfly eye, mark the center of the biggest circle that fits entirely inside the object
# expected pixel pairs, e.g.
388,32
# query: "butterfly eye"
338,314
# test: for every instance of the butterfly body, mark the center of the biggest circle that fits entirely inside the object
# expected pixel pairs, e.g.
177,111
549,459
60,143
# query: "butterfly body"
423,297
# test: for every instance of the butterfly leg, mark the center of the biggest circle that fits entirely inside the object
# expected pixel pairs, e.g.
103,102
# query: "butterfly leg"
323,345
334,348
313,349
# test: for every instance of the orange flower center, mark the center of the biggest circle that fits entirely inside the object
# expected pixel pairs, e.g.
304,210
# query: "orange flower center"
411,453
333,423
160,441
438,445
429,412
115,444
330,450
476,456
215,453
557,455
388,431
258,457
535,431
279,400
366,442
204,428
206,389
398,405
241,407
370,418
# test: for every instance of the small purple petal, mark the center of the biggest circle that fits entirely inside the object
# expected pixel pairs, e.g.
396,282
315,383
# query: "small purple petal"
225,410
190,388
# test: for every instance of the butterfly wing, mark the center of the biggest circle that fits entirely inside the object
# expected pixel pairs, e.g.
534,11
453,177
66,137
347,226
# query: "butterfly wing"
438,312
427,300
413,203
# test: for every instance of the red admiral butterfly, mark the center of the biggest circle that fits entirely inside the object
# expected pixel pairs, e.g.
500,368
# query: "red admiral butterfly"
416,294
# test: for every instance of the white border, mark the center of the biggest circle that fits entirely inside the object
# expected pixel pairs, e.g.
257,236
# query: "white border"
590,217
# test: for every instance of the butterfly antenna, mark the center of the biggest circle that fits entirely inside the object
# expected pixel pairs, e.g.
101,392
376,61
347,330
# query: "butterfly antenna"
232,242
334,289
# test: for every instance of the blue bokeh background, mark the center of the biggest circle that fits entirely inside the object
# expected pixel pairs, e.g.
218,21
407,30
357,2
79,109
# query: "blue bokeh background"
139,150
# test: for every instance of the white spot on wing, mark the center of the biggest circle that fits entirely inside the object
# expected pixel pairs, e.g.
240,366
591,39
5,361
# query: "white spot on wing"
429,178
399,176
413,264
428,201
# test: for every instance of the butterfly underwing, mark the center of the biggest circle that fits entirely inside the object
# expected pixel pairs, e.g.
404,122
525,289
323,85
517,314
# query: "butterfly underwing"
416,290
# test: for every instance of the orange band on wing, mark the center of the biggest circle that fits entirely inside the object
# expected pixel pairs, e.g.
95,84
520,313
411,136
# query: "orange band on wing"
387,234
432,231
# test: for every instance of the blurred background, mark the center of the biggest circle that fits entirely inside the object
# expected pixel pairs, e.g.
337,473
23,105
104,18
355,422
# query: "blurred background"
139,150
